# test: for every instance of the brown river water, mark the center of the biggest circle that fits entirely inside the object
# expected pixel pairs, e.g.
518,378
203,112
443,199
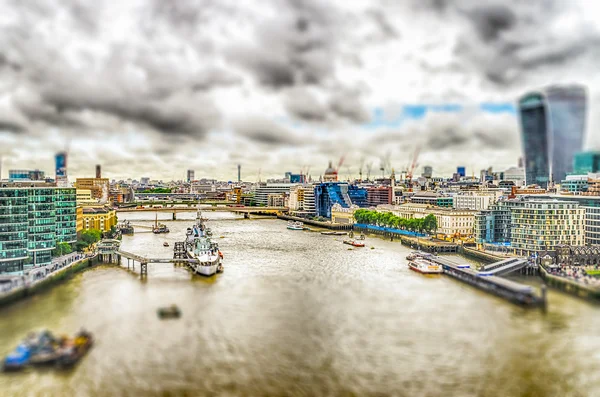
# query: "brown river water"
299,314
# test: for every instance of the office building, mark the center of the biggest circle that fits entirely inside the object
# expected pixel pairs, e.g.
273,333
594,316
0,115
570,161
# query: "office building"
461,171
433,199
586,162
552,131
473,201
98,171
427,171
329,193
60,160
98,186
33,219
191,176
492,226
377,195
24,175
261,193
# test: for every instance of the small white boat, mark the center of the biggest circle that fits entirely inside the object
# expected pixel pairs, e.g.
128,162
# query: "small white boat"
294,225
424,266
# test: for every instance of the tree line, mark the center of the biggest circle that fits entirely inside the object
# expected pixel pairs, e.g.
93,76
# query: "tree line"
369,217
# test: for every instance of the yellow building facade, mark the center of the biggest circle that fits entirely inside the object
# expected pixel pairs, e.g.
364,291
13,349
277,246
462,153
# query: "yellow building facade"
99,217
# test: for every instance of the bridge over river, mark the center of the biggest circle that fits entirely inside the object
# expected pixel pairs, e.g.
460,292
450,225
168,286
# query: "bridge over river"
235,209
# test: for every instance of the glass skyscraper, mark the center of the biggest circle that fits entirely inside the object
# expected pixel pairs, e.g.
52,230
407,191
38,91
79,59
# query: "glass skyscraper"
33,219
552,131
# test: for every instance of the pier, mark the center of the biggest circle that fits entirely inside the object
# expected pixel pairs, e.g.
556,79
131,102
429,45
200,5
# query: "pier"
490,282
325,225
110,252
421,243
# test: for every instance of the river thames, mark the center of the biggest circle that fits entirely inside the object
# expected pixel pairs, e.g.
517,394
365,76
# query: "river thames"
297,313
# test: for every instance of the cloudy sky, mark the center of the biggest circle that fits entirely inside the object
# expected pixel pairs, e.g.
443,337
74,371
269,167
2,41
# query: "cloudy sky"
152,88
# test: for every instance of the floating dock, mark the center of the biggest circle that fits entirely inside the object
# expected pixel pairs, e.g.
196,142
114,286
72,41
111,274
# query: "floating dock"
488,280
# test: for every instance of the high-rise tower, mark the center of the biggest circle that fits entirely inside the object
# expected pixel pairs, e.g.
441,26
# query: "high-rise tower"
552,131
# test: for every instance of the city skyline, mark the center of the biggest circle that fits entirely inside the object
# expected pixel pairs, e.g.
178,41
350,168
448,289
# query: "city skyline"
365,81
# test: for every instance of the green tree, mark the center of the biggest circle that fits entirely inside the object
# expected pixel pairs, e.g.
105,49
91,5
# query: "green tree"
91,236
430,223
62,249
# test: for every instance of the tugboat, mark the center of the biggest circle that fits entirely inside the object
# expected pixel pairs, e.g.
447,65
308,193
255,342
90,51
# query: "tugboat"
169,312
75,349
159,227
17,359
43,348
294,225
199,246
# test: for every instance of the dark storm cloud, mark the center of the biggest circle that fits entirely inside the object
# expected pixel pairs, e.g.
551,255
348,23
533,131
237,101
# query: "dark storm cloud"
296,47
347,104
303,105
11,126
384,25
492,20
267,132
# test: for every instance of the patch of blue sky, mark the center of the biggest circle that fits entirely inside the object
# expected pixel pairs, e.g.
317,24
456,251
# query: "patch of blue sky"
418,111
493,107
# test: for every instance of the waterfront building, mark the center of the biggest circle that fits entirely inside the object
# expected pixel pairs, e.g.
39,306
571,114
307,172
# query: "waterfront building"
261,193
65,202
99,186
343,215
552,131
277,200
99,217
451,222
586,162
492,226
310,206
23,175
329,193
33,219
591,206
541,225
79,219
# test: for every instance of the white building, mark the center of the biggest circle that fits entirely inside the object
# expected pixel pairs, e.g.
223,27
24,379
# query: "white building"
451,222
541,225
473,201
515,174
261,194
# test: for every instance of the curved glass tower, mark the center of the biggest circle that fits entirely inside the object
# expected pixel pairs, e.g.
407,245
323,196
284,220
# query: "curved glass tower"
552,131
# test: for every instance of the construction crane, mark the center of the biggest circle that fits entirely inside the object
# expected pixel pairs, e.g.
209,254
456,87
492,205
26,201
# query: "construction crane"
362,163
413,165
369,166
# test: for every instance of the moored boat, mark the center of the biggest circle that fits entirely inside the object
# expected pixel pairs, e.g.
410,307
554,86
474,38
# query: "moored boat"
75,349
165,244
334,233
199,246
354,243
169,312
424,266
295,225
